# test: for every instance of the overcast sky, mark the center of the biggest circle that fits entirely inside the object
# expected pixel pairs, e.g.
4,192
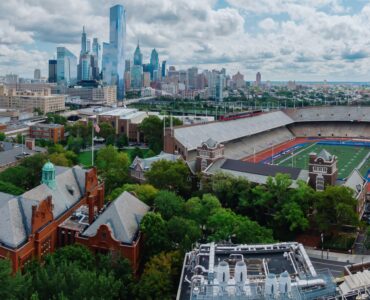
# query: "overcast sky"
283,39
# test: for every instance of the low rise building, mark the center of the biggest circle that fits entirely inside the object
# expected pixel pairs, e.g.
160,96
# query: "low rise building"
271,271
50,132
92,93
124,120
28,100
140,166
67,208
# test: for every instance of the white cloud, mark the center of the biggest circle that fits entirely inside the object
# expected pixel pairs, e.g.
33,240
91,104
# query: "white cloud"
289,39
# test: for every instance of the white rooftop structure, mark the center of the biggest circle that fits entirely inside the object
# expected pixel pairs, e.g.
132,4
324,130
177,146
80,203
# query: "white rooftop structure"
224,132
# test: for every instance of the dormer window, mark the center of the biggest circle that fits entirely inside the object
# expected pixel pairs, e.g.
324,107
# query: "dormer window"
70,189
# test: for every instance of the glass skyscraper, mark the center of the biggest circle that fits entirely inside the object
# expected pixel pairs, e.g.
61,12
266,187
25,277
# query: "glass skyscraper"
154,63
66,66
114,51
138,57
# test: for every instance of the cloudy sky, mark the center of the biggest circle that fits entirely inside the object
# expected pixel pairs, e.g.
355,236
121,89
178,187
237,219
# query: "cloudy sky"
283,39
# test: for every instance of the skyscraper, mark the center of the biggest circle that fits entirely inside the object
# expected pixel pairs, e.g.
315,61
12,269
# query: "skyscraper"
52,71
66,66
163,69
114,51
37,74
83,41
258,79
192,78
96,49
138,56
154,62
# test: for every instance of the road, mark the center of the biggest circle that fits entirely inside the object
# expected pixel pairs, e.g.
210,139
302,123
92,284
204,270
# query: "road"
335,267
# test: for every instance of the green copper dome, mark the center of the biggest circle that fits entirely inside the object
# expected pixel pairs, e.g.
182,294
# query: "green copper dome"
48,167
48,175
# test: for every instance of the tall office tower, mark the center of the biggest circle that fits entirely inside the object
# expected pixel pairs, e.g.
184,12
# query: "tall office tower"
146,79
66,66
84,71
127,65
96,59
52,71
88,45
192,78
128,80
164,69
37,74
219,87
85,67
138,56
154,62
114,51
137,77
83,41
258,79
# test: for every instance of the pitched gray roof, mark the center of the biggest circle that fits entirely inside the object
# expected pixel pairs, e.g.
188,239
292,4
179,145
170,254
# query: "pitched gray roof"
146,163
355,181
192,136
16,211
211,143
123,216
325,155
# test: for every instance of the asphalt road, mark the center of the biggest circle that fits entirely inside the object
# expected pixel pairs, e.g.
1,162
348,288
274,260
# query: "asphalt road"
335,267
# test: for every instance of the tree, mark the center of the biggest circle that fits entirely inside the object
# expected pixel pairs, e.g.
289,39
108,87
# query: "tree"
59,159
110,140
12,286
225,225
144,192
169,175
113,167
137,152
9,188
34,165
17,176
152,128
155,230
56,119
122,140
183,232
335,207
168,204
75,144
199,209
2,136
160,277
106,130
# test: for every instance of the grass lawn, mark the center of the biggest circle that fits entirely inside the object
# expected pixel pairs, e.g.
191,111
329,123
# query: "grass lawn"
84,158
349,157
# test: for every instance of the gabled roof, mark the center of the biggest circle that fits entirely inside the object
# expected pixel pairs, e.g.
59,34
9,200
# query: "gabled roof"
325,155
16,211
355,181
224,132
145,163
123,216
211,143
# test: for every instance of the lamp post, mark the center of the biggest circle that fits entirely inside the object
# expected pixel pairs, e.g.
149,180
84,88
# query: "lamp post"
322,245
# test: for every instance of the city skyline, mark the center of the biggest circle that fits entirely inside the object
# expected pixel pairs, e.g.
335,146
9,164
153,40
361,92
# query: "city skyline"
305,40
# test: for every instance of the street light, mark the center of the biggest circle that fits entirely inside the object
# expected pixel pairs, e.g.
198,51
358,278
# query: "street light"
322,245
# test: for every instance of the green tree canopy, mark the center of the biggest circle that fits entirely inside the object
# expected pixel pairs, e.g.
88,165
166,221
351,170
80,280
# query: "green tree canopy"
113,167
169,175
168,204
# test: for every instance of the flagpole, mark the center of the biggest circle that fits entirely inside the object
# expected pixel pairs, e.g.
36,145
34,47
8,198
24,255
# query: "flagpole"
92,145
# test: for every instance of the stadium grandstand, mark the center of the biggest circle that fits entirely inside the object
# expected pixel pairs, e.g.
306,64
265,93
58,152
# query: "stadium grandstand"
245,137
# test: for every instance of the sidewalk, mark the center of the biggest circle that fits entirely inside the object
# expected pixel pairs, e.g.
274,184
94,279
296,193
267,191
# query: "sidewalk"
341,257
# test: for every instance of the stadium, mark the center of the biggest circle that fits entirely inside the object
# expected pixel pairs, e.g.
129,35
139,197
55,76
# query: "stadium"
282,140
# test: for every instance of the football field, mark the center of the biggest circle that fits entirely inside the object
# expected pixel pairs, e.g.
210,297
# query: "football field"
349,157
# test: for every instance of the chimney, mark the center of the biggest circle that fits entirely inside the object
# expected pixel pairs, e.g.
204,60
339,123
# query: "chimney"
91,203
100,197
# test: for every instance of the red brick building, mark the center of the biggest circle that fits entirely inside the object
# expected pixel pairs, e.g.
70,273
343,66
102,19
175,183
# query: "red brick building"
51,132
36,222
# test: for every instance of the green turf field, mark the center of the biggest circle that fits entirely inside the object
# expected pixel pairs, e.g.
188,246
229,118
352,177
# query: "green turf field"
348,158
